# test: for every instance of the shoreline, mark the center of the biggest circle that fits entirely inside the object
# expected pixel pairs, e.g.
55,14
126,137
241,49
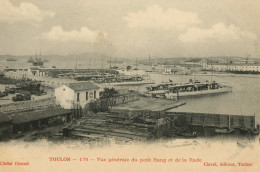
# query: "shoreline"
220,75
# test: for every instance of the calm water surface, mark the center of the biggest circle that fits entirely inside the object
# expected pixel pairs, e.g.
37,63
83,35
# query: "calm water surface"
244,98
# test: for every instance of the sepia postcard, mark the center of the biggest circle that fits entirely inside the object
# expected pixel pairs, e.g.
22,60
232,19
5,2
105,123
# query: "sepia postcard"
129,85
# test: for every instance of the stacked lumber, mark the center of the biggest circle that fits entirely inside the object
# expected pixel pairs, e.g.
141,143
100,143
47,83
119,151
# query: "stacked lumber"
104,126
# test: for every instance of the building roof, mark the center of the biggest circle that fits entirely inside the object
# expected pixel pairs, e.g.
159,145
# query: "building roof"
81,86
194,60
37,115
239,64
15,69
4,118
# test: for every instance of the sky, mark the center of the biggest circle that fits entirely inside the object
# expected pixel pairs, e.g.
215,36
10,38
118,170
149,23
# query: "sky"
131,28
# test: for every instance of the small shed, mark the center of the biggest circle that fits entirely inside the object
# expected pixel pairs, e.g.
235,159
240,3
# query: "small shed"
75,95
30,120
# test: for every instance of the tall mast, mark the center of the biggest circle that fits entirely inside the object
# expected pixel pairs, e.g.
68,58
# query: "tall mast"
110,63
149,59
194,77
76,62
211,70
136,63
102,62
35,54
75,65
150,63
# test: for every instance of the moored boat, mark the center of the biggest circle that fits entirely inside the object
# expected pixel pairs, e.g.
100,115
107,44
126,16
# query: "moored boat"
196,88
224,131
186,135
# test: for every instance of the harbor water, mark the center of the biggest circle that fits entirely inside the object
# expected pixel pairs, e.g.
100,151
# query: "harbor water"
244,98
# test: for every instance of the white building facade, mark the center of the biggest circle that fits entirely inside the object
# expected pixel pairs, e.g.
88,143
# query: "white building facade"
37,74
167,70
74,95
232,67
16,73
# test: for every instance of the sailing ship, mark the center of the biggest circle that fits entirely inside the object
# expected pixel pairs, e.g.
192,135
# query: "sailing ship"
37,62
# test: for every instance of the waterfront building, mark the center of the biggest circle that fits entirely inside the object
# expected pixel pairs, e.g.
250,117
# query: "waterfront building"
232,67
75,95
21,73
53,77
16,73
134,72
167,70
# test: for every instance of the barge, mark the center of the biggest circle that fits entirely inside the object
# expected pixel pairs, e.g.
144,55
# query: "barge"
175,91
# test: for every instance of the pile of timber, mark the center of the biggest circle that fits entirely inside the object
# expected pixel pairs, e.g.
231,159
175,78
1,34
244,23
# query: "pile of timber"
104,126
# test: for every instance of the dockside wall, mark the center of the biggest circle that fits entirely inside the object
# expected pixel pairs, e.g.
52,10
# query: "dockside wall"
194,119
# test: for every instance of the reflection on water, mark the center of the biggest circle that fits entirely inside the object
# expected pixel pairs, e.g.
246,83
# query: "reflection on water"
244,99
